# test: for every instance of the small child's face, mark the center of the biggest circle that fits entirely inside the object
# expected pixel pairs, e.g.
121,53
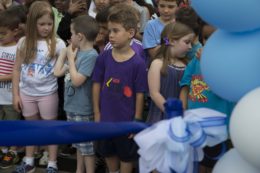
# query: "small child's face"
167,10
61,5
183,45
118,35
74,40
45,26
101,4
102,34
7,36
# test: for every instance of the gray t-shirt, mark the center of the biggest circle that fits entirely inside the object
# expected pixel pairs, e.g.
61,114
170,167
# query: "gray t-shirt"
79,99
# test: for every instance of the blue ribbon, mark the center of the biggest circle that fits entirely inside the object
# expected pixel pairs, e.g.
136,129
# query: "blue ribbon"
21,133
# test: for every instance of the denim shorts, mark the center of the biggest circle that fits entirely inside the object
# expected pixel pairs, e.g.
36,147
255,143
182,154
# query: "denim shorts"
85,148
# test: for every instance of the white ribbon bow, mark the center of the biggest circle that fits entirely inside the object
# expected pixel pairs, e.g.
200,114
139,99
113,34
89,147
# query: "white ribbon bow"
176,143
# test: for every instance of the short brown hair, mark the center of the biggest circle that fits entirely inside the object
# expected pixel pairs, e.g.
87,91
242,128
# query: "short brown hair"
86,25
124,14
9,20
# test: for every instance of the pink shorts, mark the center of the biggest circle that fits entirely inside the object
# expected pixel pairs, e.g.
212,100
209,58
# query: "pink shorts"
46,107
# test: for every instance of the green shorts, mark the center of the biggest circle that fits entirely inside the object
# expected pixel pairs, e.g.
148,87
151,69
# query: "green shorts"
7,112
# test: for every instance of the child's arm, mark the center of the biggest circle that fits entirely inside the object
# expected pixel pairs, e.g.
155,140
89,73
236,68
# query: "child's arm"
95,95
6,77
139,104
17,103
154,76
184,96
152,52
60,67
77,78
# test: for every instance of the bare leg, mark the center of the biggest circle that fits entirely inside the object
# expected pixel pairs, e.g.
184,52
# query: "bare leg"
29,150
126,167
80,163
90,163
112,163
53,151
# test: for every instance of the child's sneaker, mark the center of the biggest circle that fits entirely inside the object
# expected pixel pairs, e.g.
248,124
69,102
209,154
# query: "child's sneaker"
51,170
37,155
44,160
67,152
8,160
24,168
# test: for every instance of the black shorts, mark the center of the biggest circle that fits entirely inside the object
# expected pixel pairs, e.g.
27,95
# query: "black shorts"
122,147
212,154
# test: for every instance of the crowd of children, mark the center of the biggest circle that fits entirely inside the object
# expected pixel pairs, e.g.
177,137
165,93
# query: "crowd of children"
113,58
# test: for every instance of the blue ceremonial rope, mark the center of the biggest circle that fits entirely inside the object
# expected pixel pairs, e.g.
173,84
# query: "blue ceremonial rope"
173,108
21,133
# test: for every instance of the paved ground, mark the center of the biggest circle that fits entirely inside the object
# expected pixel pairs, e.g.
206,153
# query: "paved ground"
66,165
38,170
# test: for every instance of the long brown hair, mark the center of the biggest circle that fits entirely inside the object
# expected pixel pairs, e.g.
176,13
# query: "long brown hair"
36,11
172,31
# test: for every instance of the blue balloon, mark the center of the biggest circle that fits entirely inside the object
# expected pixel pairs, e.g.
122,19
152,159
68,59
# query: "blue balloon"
231,15
230,63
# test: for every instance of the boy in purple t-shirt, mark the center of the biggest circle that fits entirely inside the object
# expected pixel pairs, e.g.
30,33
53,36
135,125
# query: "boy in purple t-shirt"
120,80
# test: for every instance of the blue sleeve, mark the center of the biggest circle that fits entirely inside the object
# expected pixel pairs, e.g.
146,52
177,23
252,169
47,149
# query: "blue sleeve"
87,64
192,53
150,38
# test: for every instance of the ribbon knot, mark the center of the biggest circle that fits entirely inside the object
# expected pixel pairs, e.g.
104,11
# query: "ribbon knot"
177,143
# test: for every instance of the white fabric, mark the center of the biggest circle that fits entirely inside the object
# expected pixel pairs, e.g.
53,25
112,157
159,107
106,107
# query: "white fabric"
91,10
37,78
173,144
7,58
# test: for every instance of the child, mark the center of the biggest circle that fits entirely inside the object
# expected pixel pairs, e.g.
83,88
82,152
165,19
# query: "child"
34,85
195,93
120,80
8,45
76,8
77,96
19,11
102,37
143,13
135,44
167,68
61,5
189,17
153,29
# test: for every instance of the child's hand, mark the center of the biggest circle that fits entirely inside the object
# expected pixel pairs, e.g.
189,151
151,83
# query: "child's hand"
71,53
77,7
198,53
17,103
